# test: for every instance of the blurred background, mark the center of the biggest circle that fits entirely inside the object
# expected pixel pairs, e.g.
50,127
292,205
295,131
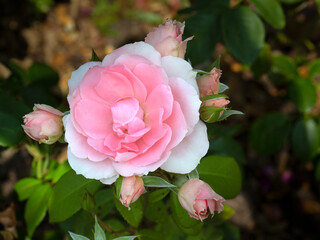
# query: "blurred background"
270,60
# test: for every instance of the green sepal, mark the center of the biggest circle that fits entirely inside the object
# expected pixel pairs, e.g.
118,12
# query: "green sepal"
94,57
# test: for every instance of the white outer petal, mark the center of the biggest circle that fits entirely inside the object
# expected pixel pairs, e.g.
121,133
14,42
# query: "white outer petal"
188,99
186,156
178,67
138,48
93,170
77,75
109,181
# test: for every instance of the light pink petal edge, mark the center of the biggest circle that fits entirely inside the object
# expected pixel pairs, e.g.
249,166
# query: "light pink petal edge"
187,155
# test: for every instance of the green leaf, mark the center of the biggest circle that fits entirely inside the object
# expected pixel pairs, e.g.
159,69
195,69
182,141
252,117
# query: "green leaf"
55,174
318,4
94,57
285,66
158,195
222,174
66,196
38,94
98,231
126,238
291,1
118,185
314,68
225,215
263,62
228,113
269,133
193,174
205,37
243,33
152,181
42,74
305,139
222,87
10,105
231,232
210,114
132,216
26,187
181,217
77,237
271,11
36,207
17,73
156,212
104,202
215,64
10,130
303,93
226,146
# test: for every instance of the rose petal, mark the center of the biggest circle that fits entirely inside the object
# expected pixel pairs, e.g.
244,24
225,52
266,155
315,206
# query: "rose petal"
78,143
94,118
77,75
160,97
178,125
90,169
177,67
186,156
150,75
125,110
138,48
188,99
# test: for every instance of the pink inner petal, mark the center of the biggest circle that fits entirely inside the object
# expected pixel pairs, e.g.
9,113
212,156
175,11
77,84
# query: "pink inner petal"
150,75
178,125
160,97
113,85
124,110
93,117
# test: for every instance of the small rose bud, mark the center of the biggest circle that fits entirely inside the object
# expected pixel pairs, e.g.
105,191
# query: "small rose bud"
131,189
198,198
167,39
219,102
209,83
44,124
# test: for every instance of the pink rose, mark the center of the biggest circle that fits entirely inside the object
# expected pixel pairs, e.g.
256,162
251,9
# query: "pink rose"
167,39
209,83
133,113
131,189
44,124
198,198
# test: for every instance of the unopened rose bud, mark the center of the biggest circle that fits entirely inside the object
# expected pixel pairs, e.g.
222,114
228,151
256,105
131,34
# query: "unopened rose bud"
198,198
219,102
44,124
209,83
167,39
131,189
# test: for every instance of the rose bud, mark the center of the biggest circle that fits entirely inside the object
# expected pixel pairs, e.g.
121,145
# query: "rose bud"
209,83
198,198
131,189
167,39
218,102
44,124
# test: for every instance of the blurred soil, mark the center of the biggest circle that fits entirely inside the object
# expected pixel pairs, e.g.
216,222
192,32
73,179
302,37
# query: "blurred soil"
278,200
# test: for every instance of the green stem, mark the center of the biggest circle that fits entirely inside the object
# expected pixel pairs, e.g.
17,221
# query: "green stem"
38,167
